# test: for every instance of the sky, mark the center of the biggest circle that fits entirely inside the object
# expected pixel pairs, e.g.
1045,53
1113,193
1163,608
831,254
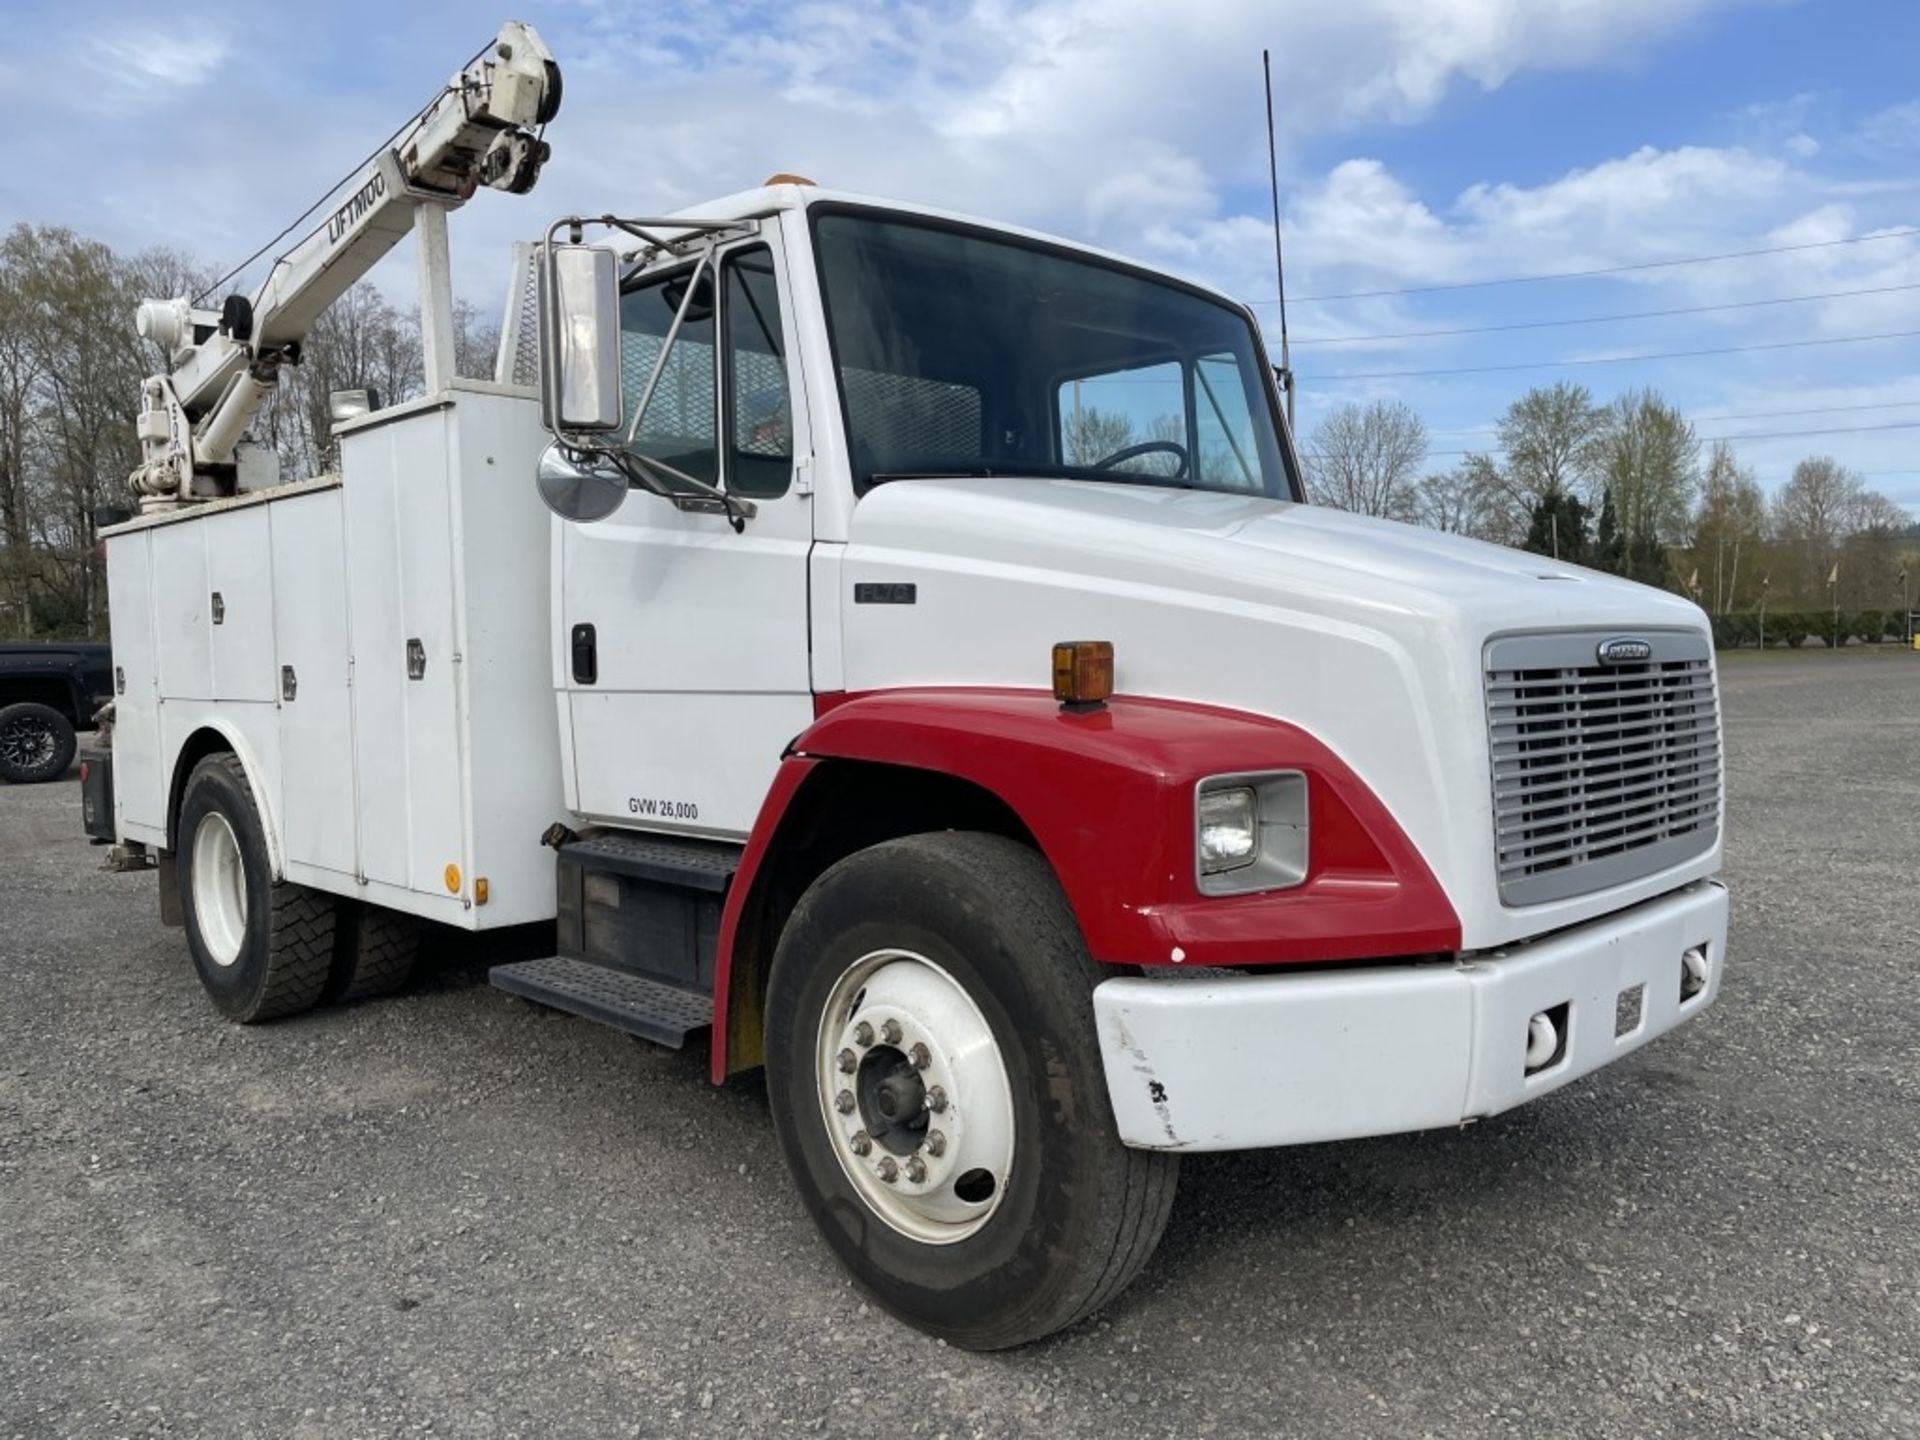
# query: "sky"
1426,147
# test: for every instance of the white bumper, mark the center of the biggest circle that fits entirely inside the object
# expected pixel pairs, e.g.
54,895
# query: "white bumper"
1222,1061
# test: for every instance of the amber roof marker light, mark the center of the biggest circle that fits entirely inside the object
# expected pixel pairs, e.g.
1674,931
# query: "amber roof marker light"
1083,673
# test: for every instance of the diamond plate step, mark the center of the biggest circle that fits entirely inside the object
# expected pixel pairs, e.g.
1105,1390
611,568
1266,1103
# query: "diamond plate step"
665,859
661,1013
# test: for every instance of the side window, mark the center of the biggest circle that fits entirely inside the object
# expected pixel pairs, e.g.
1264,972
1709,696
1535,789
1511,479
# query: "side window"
1101,415
679,428
1228,456
759,413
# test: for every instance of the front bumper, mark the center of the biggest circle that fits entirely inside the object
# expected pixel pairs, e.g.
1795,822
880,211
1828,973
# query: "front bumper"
1227,1061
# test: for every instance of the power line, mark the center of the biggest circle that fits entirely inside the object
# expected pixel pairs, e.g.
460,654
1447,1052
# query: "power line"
1600,319
1602,270
1616,359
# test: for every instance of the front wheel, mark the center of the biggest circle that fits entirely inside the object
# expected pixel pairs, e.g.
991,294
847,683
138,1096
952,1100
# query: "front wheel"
939,1093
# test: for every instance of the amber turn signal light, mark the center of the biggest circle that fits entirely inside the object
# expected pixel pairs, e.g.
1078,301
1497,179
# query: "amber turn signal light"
1083,672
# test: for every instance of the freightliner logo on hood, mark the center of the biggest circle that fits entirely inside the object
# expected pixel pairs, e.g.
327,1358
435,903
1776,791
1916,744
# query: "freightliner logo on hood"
1624,651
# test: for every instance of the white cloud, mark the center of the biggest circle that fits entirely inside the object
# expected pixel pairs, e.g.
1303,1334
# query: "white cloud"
137,69
1895,128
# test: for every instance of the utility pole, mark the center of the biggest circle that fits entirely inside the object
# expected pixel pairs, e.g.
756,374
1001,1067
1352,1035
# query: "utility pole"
1766,584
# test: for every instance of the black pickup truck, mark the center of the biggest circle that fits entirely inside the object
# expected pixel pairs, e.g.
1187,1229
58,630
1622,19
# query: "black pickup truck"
48,691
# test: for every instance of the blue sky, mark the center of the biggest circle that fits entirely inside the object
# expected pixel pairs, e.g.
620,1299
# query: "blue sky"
1424,142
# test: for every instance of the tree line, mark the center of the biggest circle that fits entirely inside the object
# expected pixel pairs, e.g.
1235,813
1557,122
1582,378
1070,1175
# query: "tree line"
71,365
1628,487
1624,486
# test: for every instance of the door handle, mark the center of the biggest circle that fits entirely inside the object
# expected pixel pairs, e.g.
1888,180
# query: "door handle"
586,656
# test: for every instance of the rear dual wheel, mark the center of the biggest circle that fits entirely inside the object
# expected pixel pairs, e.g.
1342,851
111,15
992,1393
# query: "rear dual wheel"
939,1094
266,949
263,948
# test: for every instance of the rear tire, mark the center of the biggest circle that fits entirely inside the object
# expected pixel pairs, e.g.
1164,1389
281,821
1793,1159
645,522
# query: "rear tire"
36,743
263,948
375,953
962,944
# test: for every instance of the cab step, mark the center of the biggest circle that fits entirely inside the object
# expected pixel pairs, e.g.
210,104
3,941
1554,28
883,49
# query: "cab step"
664,1014
705,865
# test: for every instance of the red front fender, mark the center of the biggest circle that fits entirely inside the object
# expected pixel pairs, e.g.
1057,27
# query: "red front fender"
1109,797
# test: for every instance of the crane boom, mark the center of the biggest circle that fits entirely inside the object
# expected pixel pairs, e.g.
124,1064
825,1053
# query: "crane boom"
481,129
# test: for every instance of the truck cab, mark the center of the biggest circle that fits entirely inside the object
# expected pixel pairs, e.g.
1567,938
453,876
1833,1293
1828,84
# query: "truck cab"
933,684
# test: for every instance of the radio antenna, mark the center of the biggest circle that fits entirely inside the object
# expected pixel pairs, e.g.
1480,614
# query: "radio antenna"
1279,256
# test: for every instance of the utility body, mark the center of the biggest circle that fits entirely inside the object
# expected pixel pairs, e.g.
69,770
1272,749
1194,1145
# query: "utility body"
932,682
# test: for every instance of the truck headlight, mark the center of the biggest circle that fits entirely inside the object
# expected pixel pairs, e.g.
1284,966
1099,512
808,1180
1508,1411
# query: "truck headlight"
1229,829
1250,832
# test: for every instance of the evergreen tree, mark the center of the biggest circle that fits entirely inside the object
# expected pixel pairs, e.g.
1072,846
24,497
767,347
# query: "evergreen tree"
1559,527
1610,549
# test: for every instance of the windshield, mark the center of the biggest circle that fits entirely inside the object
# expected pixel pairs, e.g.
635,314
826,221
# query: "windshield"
966,353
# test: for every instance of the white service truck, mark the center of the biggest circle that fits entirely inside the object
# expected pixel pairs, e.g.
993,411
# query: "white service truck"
932,681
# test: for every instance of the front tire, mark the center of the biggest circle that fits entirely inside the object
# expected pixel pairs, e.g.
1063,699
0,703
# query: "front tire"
263,948
36,743
938,1091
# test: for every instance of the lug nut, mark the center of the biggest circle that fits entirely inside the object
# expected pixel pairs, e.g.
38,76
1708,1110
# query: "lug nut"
936,1099
863,1034
861,1142
916,1169
936,1143
849,1062
890,1031
843,1102
921,1059
889,1171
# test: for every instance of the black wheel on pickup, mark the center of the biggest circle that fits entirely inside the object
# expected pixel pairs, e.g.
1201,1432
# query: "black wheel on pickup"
375,951
938,1091
263,949
36,743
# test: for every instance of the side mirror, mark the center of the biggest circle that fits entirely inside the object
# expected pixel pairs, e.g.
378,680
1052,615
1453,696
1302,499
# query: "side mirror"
579,486
580,387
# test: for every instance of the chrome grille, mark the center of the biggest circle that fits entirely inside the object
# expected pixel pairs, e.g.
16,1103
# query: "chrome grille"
1601,773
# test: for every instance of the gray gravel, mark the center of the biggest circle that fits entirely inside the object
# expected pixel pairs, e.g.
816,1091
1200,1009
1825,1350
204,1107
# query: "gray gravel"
455,1212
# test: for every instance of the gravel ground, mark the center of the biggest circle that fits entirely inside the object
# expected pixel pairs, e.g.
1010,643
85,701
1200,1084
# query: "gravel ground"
455,1212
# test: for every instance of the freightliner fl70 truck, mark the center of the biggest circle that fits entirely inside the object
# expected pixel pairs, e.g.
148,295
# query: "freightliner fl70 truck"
924,674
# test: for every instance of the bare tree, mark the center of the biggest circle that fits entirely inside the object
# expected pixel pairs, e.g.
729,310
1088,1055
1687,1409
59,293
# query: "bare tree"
20,351
1364,458
1647,458
1092,434
1471,500
476,342
1729,528
1810,517
1549,443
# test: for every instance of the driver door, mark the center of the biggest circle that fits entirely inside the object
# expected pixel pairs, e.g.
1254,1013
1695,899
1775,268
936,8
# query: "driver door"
683,645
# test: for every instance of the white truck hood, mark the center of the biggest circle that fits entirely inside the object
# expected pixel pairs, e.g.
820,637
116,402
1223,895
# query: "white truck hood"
1367,633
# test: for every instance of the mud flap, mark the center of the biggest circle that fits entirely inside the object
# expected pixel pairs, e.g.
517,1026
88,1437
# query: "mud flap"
169,890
